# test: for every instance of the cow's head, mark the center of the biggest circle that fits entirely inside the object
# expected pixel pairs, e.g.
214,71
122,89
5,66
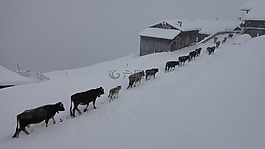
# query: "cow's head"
59,107
101,91
142,73
119,87
156,70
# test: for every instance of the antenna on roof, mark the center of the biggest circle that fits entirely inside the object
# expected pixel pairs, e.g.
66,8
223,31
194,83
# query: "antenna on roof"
180,23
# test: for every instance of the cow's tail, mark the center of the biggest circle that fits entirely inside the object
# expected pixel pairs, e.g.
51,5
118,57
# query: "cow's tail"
71,112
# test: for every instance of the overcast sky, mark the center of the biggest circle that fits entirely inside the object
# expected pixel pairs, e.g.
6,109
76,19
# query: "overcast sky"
62,34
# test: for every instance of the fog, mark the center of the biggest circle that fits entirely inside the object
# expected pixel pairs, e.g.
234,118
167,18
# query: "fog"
63,34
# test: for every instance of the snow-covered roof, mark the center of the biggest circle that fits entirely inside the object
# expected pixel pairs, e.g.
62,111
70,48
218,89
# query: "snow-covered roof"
185,25
160,33
182,25
256,10
213,26
8,77
205,27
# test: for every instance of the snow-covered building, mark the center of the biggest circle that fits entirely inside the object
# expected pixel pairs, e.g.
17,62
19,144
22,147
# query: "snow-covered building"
255,18
168,35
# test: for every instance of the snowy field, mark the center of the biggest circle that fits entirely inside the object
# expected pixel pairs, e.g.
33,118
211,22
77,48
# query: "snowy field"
213,102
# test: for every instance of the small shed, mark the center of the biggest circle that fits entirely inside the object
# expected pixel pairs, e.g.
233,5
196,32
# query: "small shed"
168,35
255,18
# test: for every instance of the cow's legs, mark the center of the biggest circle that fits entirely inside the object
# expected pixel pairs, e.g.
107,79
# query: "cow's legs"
47,121
24,129
86,108
76,108
130,84
73,114
111,97
18,130
16,133
54,122
134,83
94,102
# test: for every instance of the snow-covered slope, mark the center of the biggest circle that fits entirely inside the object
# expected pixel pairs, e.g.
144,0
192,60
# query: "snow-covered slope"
7,77
213,102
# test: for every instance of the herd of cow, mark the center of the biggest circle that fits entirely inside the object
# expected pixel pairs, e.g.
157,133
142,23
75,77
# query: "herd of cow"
47,112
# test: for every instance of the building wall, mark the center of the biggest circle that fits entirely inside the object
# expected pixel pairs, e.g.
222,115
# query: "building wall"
254,32
254,27
255,23
150,45
202,36
185,39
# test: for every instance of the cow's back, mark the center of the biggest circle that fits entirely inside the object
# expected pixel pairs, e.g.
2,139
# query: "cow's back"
36,115
85,97
138,76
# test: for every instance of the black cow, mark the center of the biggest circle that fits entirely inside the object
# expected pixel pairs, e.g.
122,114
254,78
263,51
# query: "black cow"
183,59
151,72
37,115
192,55
215,39
84,98
210,50
224,40
198,51
217,44
230,35
134,78
171,65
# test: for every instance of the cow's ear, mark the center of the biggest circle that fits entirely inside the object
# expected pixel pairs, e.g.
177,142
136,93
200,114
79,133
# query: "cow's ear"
60,104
